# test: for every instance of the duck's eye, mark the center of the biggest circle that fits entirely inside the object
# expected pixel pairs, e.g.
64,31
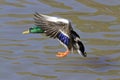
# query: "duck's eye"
30,28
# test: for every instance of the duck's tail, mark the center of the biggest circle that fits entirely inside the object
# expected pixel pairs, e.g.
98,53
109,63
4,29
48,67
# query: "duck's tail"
78,45
81,49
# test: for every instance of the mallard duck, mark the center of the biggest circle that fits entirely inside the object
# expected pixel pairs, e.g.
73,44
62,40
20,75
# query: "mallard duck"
60,29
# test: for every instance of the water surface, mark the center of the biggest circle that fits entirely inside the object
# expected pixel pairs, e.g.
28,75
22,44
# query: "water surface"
32,57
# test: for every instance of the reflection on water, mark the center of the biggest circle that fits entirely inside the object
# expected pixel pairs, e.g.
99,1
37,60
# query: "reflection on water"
32,57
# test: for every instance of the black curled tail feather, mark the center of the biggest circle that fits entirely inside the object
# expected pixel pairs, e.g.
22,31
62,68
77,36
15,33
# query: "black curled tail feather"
82,48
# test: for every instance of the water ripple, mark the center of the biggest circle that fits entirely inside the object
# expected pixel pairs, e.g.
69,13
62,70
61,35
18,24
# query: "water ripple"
32,57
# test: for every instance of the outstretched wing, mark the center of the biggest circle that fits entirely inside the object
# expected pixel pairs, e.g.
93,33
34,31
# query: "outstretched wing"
52,25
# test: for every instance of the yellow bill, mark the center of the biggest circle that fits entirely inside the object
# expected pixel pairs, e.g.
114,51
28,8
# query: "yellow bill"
26,32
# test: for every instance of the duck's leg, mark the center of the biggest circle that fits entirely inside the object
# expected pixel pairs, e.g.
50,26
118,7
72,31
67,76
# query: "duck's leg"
63,54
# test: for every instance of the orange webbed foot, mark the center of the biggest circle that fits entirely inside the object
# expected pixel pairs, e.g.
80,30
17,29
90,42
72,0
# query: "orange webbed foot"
62,54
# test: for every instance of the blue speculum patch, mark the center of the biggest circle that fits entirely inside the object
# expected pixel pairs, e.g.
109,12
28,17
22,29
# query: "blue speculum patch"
63,38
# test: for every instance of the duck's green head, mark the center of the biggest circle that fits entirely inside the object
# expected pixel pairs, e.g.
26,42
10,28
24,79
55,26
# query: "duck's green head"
34,29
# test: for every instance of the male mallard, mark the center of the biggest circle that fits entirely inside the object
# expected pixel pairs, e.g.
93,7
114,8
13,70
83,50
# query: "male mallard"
61,29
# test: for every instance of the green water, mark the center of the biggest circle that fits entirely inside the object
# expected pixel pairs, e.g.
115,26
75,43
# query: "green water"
32,57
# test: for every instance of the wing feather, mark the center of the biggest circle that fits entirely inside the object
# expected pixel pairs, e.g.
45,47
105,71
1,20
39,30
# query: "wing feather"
52,25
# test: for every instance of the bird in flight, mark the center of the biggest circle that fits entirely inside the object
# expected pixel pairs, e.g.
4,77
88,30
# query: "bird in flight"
60,29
